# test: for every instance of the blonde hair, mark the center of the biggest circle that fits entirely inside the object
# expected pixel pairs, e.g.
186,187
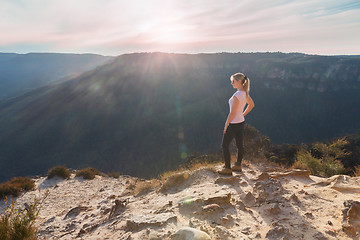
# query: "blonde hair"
244,80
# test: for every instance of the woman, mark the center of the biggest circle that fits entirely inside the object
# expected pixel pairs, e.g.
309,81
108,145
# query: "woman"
234,125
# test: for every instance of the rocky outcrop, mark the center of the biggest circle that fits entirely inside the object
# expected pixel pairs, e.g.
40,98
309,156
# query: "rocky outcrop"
273,205
147,220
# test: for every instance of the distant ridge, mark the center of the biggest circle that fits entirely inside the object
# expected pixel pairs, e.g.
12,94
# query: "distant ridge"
20,73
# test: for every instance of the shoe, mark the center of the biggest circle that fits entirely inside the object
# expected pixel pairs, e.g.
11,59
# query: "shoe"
236,168
225,171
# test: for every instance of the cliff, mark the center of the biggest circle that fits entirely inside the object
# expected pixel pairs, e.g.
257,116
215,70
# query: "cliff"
263,202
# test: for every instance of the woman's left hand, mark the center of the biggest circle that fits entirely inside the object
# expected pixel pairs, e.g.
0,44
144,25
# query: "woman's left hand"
225,128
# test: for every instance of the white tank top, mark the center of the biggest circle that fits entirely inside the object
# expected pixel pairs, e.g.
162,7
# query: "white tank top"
241,96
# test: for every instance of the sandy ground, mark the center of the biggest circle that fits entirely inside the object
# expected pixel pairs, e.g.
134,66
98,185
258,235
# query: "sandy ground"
260,203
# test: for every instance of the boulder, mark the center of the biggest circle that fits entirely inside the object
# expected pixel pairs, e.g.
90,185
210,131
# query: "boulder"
187,233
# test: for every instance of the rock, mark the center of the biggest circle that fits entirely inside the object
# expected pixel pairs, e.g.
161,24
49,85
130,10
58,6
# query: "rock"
341,183
222,233
268,190
119,207
293,172
140,221
220,199
294,199
241,205
319,236
75,211
309,215
273,209
249,200
277,233
228,219
126,236
351,217
229,180
246,230
244,183
211,209
202,225
187,233
262,176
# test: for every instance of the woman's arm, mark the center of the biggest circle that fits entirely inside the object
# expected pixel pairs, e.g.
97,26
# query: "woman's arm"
250,105
232,113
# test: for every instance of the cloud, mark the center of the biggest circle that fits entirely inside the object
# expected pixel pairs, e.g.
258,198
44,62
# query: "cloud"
114,27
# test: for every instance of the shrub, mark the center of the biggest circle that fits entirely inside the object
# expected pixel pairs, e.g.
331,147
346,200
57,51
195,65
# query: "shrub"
256,145
326,160
18,223
16,185
357,171
88,173
114,174
143,187
59,171
283,154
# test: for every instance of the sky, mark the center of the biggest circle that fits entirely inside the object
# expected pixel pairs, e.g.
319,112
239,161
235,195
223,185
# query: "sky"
114,27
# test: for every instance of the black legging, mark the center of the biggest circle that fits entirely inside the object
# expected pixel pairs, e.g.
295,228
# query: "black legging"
234,130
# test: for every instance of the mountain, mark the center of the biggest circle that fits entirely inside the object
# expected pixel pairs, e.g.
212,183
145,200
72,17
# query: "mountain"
20,73
263,202
145,113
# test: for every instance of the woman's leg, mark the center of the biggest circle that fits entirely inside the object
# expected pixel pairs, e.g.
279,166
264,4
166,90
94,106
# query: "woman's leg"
228,136
239,137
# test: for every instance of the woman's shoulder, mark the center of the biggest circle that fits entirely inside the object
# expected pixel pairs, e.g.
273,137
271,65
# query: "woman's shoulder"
239,93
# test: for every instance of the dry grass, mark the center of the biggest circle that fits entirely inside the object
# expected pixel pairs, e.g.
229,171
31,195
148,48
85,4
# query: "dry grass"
143,187
59,171
164,176
88,173
16,186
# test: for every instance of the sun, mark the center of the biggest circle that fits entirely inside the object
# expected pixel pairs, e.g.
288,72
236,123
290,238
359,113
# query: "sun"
160,32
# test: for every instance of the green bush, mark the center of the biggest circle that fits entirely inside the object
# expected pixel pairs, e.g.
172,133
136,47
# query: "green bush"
15,186
88,173
18,223
59,171
322,159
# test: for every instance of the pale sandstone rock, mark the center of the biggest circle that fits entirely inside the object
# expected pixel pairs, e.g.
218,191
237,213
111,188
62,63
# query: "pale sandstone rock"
187,233
351,218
